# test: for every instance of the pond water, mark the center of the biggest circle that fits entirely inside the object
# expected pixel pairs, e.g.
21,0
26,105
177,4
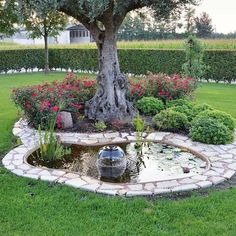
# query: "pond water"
155,162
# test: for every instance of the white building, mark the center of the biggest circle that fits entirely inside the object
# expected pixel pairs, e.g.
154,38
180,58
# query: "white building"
73,34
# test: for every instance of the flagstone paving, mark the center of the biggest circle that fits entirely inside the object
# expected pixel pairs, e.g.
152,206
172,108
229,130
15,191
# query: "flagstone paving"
220,159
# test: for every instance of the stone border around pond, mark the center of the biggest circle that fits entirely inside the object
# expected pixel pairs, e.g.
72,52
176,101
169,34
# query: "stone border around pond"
220,159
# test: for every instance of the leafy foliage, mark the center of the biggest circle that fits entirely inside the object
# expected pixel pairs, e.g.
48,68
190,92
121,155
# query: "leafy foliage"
204,25
184,110
194,65
41,19
207,130
221,62
163,87
50,147
40,103
169,120
200,108
180,102
8,17
219,116
100,126
149,105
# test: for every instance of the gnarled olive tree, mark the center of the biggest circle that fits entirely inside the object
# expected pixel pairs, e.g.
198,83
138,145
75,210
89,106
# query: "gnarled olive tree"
103,19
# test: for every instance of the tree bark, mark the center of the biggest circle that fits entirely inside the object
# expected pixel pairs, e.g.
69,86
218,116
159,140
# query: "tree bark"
46,69
110,102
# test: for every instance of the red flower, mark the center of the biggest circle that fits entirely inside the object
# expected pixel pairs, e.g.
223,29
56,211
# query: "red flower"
27,105
58,121
34,95
55,108
88,83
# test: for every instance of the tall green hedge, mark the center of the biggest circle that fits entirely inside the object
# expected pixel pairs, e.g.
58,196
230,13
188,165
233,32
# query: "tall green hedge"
221,63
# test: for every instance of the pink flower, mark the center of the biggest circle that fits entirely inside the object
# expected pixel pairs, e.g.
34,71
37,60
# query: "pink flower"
44,105
78,106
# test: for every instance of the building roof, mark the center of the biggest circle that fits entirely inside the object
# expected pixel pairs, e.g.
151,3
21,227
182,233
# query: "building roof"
77,27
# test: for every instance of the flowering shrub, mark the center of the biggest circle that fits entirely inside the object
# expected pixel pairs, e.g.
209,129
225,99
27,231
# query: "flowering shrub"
162,86
40,102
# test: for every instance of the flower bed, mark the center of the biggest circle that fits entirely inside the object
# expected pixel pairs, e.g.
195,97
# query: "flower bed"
40,103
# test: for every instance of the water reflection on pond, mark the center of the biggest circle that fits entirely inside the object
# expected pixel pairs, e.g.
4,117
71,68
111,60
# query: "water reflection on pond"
158,161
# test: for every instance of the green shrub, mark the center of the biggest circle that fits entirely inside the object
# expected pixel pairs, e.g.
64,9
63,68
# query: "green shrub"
194,65
149,105
184,110
169,120
200,108
220,116
210,131
221,63
180,102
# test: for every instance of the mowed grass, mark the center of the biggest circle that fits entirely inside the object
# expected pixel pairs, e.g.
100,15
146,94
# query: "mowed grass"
220,96
29,207
154,44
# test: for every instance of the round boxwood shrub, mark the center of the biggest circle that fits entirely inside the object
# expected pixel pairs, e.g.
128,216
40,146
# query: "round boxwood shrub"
149,105
210,131
220,116
180,102
169,120
199,108
185,110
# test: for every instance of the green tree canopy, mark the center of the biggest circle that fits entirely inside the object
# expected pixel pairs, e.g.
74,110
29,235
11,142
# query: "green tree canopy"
103,18
204,25
8,17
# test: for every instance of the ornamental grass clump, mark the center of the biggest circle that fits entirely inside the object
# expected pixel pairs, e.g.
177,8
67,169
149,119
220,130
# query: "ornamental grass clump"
50,147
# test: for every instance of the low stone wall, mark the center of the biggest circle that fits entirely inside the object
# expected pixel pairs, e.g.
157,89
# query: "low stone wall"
220,159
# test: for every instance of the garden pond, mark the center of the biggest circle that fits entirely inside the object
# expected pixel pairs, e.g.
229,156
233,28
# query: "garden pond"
154,161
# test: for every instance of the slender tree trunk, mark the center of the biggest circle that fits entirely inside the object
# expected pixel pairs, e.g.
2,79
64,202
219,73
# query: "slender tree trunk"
46,69
109,102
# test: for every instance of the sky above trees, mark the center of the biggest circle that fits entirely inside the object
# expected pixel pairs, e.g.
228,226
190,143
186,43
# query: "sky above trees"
222,13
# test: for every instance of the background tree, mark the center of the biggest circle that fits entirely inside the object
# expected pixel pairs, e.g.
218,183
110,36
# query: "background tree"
204,25
194,66
41,19
103,19
189,19
8,17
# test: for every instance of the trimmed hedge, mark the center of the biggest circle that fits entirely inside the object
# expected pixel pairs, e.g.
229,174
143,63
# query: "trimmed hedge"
222,63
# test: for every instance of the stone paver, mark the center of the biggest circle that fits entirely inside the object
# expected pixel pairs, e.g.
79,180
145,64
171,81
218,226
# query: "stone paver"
222,159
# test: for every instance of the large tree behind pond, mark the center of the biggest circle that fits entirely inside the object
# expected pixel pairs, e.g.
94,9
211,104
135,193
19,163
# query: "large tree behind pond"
103,18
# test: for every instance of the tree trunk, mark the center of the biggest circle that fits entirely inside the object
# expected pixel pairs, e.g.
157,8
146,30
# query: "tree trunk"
46,69
109,102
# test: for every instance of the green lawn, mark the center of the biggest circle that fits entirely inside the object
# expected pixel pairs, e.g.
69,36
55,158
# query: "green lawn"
220,96
29,207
